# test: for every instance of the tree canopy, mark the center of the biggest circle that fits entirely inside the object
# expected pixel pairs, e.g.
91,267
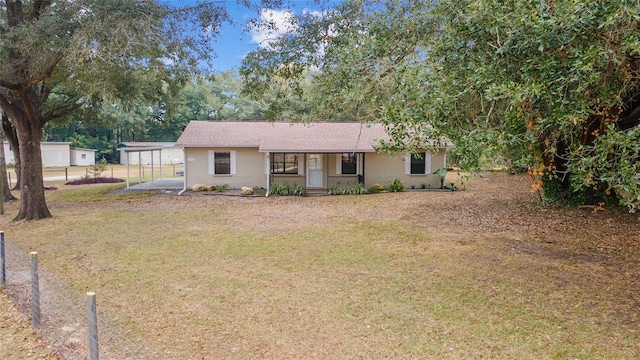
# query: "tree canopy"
61,56
549,87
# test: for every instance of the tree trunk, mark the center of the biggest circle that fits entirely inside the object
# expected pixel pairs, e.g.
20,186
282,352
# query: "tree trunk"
32,205
12,137
28,127
4,182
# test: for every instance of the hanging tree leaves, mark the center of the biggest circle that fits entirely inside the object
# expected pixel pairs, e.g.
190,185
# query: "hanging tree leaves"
550,87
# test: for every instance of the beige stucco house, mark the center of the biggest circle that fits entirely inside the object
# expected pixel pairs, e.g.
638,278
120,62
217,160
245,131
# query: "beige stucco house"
316,156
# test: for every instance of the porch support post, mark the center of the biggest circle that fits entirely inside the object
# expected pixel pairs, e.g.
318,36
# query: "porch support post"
126,161
152,167
139,167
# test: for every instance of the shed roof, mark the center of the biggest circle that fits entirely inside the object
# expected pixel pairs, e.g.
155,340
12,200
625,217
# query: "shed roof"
320,137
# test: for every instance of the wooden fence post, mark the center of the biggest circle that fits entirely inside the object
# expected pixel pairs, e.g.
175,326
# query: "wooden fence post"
92,318
3,269
35,290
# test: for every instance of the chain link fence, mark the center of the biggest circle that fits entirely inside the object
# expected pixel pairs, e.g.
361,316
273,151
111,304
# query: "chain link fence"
72,324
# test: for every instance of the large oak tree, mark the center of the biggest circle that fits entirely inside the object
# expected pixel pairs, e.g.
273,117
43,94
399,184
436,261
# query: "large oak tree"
59,56
548,86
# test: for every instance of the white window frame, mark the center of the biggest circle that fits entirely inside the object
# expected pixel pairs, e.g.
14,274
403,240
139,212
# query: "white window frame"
212,162
339,164
427,164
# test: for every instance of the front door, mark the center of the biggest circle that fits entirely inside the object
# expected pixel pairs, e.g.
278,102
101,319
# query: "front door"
314,170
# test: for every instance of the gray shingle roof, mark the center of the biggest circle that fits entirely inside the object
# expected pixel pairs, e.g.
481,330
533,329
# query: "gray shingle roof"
284,137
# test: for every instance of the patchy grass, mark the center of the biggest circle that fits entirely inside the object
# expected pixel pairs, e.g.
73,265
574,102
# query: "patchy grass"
484,273
18,340
93,192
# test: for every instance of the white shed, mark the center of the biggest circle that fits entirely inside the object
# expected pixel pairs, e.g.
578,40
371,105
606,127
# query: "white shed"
83,157
55,154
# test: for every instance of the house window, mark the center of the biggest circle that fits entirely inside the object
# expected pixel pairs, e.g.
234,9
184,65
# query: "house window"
83,156
418,163
349,163
222,162
282,163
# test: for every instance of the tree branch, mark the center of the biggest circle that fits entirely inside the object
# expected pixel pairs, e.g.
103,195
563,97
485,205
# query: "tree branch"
47,72
10,86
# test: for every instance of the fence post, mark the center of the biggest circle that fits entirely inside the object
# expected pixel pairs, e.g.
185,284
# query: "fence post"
3,269
92,317
66,174
35,290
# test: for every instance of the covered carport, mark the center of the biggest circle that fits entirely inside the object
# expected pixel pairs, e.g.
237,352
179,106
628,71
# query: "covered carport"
137,151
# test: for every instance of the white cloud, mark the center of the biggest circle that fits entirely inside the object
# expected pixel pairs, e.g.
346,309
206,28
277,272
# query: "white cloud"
279,23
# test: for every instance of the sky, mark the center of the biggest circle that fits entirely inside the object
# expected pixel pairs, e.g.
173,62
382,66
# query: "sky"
233,44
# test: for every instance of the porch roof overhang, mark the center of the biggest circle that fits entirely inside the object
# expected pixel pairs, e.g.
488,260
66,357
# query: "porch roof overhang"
306,145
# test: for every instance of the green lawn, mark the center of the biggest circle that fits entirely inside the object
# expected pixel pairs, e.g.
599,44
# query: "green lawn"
482,273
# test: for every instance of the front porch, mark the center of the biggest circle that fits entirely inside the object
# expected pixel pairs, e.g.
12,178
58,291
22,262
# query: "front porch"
316,173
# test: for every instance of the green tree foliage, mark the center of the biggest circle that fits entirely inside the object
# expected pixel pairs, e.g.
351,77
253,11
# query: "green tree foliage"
201,98
61,56
548,86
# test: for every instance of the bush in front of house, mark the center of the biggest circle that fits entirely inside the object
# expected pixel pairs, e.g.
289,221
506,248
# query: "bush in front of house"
220,188
376,188
396,186
356,189
277,188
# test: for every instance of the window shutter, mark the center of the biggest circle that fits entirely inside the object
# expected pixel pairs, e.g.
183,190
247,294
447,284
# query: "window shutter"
232,160
338,164
300,164
407,164
427,162
212,162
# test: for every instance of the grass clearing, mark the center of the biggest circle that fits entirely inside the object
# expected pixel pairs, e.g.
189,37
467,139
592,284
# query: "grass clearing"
485,273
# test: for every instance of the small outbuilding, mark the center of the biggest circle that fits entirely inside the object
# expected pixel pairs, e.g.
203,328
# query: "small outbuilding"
83,157
57,154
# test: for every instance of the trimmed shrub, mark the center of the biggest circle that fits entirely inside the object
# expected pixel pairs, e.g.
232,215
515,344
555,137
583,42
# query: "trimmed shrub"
376,188
277,188
396,186
356,189
220,188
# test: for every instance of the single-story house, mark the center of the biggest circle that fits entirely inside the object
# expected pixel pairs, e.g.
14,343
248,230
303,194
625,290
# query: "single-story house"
146,153
55,154
316,156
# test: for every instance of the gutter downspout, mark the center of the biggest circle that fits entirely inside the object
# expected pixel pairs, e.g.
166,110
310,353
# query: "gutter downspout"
268,173
184,171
